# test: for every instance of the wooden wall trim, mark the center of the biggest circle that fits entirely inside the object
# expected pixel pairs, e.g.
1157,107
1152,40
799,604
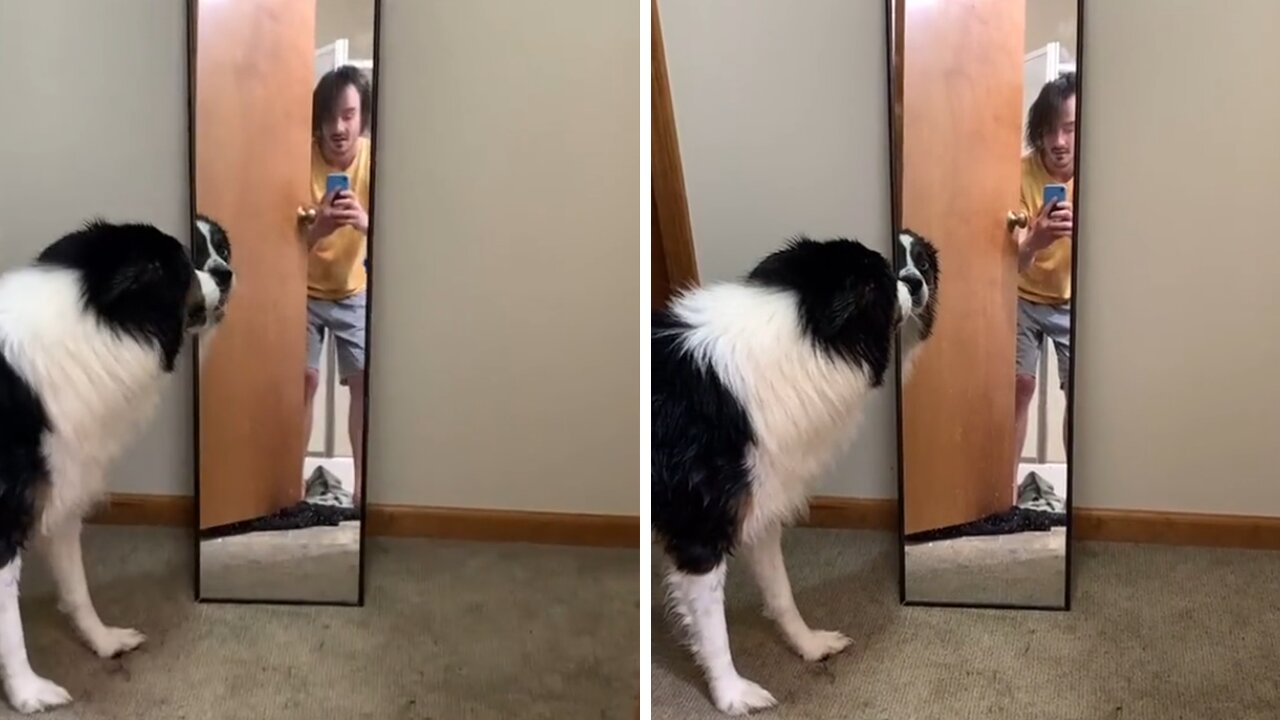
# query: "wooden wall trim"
1175,528
845,513
505,526
670,203
589,530
1090,524
138,509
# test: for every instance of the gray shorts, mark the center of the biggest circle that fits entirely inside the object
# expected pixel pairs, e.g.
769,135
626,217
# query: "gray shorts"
1035,323
345,319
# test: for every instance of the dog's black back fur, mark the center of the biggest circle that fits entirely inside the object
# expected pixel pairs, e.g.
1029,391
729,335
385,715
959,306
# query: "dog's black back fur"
700,438
23,423
701,433
136,280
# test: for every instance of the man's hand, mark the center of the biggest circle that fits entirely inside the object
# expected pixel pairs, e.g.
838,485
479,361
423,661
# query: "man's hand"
336,210
347,211
1053,222
325,223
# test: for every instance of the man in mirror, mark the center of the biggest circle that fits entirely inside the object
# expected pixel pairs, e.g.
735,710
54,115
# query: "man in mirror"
1044,247
336,271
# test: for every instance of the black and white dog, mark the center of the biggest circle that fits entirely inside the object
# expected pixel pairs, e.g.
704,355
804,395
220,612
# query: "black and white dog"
88,333
756,387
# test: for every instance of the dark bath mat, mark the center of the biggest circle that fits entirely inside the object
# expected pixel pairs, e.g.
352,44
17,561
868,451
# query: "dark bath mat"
1013,520
302,515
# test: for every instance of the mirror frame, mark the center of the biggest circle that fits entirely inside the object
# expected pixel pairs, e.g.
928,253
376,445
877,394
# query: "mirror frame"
193,10
894,31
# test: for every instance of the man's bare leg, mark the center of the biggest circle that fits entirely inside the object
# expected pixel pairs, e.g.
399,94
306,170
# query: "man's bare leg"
1023,390
355,427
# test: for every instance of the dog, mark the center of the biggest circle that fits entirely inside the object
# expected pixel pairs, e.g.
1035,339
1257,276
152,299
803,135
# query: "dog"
89,331
757,386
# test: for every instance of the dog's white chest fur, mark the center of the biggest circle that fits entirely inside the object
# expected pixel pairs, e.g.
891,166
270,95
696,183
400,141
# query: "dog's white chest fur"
803,404
98,387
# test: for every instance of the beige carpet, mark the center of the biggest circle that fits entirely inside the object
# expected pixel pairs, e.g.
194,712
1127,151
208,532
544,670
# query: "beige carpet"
450,631
1154,633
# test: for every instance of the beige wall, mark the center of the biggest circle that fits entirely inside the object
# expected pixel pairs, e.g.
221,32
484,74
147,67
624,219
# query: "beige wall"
1178,401
781,121
350,19
1052,20
506,352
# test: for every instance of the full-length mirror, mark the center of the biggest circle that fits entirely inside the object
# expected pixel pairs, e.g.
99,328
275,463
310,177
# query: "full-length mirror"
283,146
984,124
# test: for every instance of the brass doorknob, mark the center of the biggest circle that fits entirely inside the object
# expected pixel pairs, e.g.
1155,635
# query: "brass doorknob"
306,215
1015,219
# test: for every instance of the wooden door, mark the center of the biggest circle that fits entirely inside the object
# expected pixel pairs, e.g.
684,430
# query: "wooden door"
660,279
961,65
254,73
671,234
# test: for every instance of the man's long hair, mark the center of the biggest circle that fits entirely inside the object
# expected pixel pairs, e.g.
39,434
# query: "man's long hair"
324,99
1045,110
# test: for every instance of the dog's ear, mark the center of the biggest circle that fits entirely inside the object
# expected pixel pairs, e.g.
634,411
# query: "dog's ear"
132,278
200,241
851,302
196,313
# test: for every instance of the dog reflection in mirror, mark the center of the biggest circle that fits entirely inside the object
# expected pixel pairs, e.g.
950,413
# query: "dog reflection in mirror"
89,332
918,278
211,256
757,387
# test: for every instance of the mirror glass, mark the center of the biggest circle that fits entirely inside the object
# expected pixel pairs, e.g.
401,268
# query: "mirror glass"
984,126
283,115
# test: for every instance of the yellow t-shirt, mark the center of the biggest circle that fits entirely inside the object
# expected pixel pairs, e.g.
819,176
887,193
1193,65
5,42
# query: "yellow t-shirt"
335,268
1047,280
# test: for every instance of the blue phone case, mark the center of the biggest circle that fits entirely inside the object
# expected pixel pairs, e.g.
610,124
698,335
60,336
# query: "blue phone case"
337,181
1055,194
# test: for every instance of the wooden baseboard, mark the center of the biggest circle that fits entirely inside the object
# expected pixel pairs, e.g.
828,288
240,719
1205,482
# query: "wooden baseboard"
505,526
1135,526
414,521
1175,528
1096,524
845,513
137,509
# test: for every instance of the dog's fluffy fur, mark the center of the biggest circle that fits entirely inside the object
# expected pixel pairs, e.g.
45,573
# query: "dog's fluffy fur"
88,333
756,387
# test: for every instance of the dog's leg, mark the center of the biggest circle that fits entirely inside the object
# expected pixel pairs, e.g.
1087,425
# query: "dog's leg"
27,692
698,600
765,557
73,594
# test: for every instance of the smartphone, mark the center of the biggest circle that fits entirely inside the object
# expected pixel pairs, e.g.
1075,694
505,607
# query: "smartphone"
1053,194
336,182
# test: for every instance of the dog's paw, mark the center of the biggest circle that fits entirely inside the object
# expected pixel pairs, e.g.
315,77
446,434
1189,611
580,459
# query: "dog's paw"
113,641
740,696
821,644
35,694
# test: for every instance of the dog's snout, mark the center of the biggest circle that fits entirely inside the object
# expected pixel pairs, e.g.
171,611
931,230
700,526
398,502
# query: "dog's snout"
913,281
221,275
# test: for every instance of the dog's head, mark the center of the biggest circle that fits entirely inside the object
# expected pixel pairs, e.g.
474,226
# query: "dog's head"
918,280
137,280
214,278
918,276
847,297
